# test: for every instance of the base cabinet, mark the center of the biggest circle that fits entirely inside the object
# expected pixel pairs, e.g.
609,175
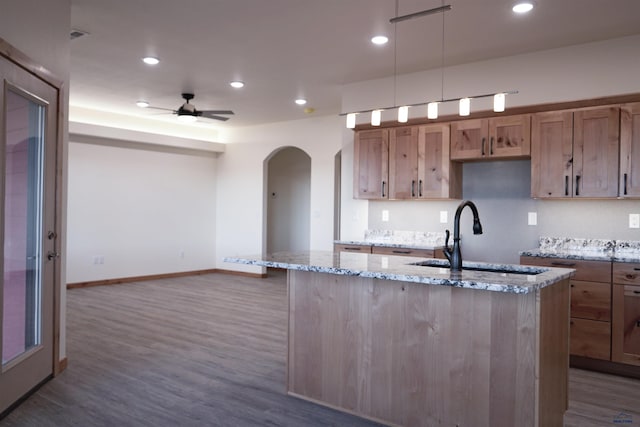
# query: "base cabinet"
626,315
590,331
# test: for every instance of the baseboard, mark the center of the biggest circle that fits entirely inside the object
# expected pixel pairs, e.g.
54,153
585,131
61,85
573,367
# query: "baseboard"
139,278
162,276
605,366
62,365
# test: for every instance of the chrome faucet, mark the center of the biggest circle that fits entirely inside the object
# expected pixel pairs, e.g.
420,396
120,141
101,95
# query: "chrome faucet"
455,256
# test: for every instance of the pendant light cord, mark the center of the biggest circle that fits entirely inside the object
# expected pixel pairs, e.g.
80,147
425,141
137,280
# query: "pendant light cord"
442,60
395,56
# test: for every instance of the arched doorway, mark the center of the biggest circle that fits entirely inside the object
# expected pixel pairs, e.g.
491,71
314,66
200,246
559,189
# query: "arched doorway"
288,200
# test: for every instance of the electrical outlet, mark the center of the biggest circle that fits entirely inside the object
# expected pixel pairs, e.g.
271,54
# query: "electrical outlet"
444,217
532,218
634,220
385,215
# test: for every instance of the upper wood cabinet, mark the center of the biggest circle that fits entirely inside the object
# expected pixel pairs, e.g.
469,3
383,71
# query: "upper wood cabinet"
438,176
575,154
630,150
403,162
494,138
420,166
371,162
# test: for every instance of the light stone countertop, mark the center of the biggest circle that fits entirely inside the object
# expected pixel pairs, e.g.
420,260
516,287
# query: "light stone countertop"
389,244
586,249
400,268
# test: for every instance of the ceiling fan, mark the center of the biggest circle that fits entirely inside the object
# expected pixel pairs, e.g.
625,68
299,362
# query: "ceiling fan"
188,112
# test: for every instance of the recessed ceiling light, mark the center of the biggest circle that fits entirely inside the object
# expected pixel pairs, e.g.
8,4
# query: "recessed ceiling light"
522,7
379,39
142,104
237,84
150,60
301,101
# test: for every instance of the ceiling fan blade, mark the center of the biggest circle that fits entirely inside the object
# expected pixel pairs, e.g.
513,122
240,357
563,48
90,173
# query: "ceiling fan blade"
159,108
214,117
217,112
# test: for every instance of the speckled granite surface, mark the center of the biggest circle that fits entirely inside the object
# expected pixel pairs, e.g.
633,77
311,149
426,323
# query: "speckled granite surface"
399,238
399,268
586,249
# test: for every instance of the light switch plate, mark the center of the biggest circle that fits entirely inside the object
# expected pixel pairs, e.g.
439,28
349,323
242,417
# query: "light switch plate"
634,220
444,217
533,218
385,215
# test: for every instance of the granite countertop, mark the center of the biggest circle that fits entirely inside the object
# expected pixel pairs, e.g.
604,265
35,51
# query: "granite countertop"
399,239
586,249
400,268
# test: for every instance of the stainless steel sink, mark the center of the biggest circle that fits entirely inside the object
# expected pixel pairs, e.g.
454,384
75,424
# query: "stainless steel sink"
522,269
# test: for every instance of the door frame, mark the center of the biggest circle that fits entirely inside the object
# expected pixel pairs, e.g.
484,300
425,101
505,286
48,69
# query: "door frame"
11,54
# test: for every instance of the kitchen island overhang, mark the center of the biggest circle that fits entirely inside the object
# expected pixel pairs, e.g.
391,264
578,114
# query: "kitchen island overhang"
407,345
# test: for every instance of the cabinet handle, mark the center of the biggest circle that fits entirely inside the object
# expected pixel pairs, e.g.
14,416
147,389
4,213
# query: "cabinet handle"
400,252
573,286
637,323
577,185
483,146
352,249
566,185
491,147
636,269
420,188
563,264
413,188
625,183
636,292
383,188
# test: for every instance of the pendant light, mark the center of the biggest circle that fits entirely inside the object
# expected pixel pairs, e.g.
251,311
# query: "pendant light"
375,117
351,120
465,107
464,103
498,102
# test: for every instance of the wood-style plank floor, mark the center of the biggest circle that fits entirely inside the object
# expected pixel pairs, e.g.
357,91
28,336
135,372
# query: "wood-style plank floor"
210,351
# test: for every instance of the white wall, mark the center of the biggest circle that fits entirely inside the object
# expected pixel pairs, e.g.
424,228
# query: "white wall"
241,184
288,201
501,189
142,210
41,31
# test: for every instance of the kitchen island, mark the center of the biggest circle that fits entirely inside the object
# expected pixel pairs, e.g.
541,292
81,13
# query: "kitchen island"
413,345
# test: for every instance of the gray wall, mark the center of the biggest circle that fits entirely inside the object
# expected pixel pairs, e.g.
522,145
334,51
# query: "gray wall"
501,190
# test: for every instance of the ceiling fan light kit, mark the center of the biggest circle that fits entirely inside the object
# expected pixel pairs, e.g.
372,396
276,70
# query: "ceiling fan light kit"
499,99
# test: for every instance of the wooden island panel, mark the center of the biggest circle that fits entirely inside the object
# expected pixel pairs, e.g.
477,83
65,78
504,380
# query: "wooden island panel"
422,355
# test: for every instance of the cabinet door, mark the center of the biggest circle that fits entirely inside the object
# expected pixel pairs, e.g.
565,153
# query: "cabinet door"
510,136
596,152
371,162
591,300
403,163
551,154
469,139
590,338
630,150
626,324
343,247
438,176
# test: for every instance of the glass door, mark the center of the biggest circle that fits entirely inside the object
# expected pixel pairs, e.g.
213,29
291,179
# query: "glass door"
28,161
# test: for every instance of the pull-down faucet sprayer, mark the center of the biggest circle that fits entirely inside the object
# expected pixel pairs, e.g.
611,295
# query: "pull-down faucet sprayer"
455,256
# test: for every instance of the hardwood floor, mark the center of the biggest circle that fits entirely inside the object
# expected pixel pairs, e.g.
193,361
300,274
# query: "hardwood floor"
210,350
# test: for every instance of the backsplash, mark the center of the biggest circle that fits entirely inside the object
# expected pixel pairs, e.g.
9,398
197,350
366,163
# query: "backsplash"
591,246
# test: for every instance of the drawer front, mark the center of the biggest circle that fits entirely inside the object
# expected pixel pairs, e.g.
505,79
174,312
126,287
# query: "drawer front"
590,338
592,271
591,300
424,253
352,248
626,273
